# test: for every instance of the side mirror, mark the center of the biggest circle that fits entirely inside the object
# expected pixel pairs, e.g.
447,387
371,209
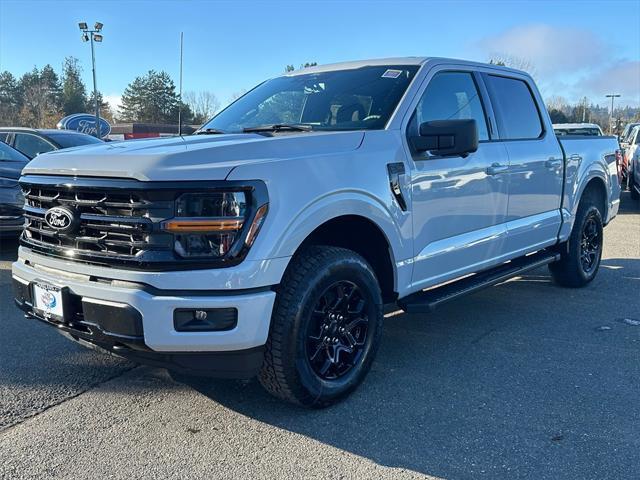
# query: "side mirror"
447,137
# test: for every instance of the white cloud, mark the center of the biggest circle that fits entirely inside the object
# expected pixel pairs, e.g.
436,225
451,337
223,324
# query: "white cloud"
622,77
567,62
550,50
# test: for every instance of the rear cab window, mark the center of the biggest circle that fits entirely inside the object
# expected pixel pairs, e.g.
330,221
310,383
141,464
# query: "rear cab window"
518,114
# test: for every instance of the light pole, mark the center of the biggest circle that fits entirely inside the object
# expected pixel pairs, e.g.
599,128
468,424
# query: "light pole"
612,96
93,35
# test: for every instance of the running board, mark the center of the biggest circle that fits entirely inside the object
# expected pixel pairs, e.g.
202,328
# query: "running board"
427,300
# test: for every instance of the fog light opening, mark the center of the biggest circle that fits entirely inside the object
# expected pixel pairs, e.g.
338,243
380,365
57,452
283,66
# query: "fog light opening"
205,319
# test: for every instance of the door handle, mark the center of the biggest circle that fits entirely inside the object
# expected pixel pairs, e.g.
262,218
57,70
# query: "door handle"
553,162
497,168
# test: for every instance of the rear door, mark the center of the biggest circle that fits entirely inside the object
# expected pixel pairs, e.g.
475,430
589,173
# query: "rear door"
459,204
536,163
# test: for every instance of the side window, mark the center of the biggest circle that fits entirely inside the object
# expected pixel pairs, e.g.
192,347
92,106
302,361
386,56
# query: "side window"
452,95
31,145
519,115
3,137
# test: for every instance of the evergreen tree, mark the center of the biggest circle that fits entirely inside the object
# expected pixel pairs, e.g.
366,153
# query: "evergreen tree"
105,109
74,92
152,98
10,99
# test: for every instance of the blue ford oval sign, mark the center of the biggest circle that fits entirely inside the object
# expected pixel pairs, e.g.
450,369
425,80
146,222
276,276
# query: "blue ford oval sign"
84,123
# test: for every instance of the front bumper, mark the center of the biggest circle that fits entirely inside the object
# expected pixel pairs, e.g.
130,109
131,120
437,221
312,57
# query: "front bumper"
137,321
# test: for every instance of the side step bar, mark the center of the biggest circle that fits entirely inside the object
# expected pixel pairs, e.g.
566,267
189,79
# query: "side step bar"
427,300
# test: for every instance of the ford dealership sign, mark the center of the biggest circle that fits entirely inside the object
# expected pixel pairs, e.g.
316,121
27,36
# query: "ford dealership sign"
84,123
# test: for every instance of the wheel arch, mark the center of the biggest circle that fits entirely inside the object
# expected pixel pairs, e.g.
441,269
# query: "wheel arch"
357,220
596,187
366,238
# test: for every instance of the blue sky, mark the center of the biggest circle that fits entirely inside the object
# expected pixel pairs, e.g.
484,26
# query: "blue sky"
575,48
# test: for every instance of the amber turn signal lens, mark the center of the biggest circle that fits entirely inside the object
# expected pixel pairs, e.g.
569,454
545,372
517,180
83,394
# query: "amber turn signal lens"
196,226
258,220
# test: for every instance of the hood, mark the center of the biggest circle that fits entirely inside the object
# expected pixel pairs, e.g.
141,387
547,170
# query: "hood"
196,157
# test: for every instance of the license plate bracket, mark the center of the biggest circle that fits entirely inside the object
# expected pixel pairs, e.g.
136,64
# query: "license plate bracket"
49,300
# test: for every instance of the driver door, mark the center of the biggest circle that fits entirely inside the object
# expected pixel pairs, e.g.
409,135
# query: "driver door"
459,204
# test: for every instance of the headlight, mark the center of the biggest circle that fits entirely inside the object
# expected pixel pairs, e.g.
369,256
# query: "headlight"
210,224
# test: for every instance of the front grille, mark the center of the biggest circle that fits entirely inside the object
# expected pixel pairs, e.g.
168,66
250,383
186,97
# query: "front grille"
120,220
115,223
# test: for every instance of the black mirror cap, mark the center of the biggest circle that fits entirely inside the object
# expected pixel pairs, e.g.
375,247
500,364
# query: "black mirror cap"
447,137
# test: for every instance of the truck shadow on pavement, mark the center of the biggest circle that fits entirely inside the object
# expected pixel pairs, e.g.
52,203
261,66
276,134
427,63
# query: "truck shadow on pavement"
525,379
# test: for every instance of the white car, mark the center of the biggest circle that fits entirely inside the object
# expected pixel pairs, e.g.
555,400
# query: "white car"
626,133
632,155
581,129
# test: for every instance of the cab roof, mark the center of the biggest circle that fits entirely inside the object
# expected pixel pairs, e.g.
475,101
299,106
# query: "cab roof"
419,61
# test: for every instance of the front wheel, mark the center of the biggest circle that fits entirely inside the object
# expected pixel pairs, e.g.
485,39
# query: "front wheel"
581,254
325,327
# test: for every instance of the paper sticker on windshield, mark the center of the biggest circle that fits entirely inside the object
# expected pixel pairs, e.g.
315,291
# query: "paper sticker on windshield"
392,73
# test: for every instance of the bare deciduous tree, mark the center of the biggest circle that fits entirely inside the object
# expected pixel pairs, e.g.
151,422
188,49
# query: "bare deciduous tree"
236,95
514,62
203,104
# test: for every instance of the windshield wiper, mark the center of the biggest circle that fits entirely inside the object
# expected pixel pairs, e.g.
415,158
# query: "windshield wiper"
209,131
278,127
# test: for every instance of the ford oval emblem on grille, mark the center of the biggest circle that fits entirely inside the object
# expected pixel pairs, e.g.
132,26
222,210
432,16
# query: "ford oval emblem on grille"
61,219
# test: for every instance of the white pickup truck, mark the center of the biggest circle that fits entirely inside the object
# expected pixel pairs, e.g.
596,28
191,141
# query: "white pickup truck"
268,243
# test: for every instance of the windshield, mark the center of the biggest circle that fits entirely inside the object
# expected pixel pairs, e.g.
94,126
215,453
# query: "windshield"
68,140
11,154
362,98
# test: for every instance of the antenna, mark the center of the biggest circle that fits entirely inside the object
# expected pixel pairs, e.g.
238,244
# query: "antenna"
180,87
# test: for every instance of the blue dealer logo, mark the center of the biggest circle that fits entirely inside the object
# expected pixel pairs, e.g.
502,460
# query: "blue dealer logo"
84,123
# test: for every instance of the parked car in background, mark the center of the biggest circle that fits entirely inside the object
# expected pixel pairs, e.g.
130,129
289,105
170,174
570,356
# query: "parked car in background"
268,242
32,141
632,157
626,133
582,129
11,200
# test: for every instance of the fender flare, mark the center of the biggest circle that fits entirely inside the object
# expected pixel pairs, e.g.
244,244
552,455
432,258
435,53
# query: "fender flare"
338,204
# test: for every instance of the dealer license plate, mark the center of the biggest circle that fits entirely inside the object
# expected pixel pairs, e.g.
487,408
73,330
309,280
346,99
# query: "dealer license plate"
47,299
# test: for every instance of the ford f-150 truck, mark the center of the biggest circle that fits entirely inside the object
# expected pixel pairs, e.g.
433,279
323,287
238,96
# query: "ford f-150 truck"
269,242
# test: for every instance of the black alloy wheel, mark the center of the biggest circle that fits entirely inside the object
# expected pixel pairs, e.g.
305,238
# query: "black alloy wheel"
337,331
590,245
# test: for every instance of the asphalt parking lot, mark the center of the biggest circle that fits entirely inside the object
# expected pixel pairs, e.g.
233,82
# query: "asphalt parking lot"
524,380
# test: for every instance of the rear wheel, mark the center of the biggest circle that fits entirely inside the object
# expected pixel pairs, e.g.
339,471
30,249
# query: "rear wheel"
325,328
581,254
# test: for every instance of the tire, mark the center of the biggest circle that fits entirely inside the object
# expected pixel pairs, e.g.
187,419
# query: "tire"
581,254
310,328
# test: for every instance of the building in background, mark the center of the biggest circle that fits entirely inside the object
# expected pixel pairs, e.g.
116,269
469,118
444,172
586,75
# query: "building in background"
131,131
